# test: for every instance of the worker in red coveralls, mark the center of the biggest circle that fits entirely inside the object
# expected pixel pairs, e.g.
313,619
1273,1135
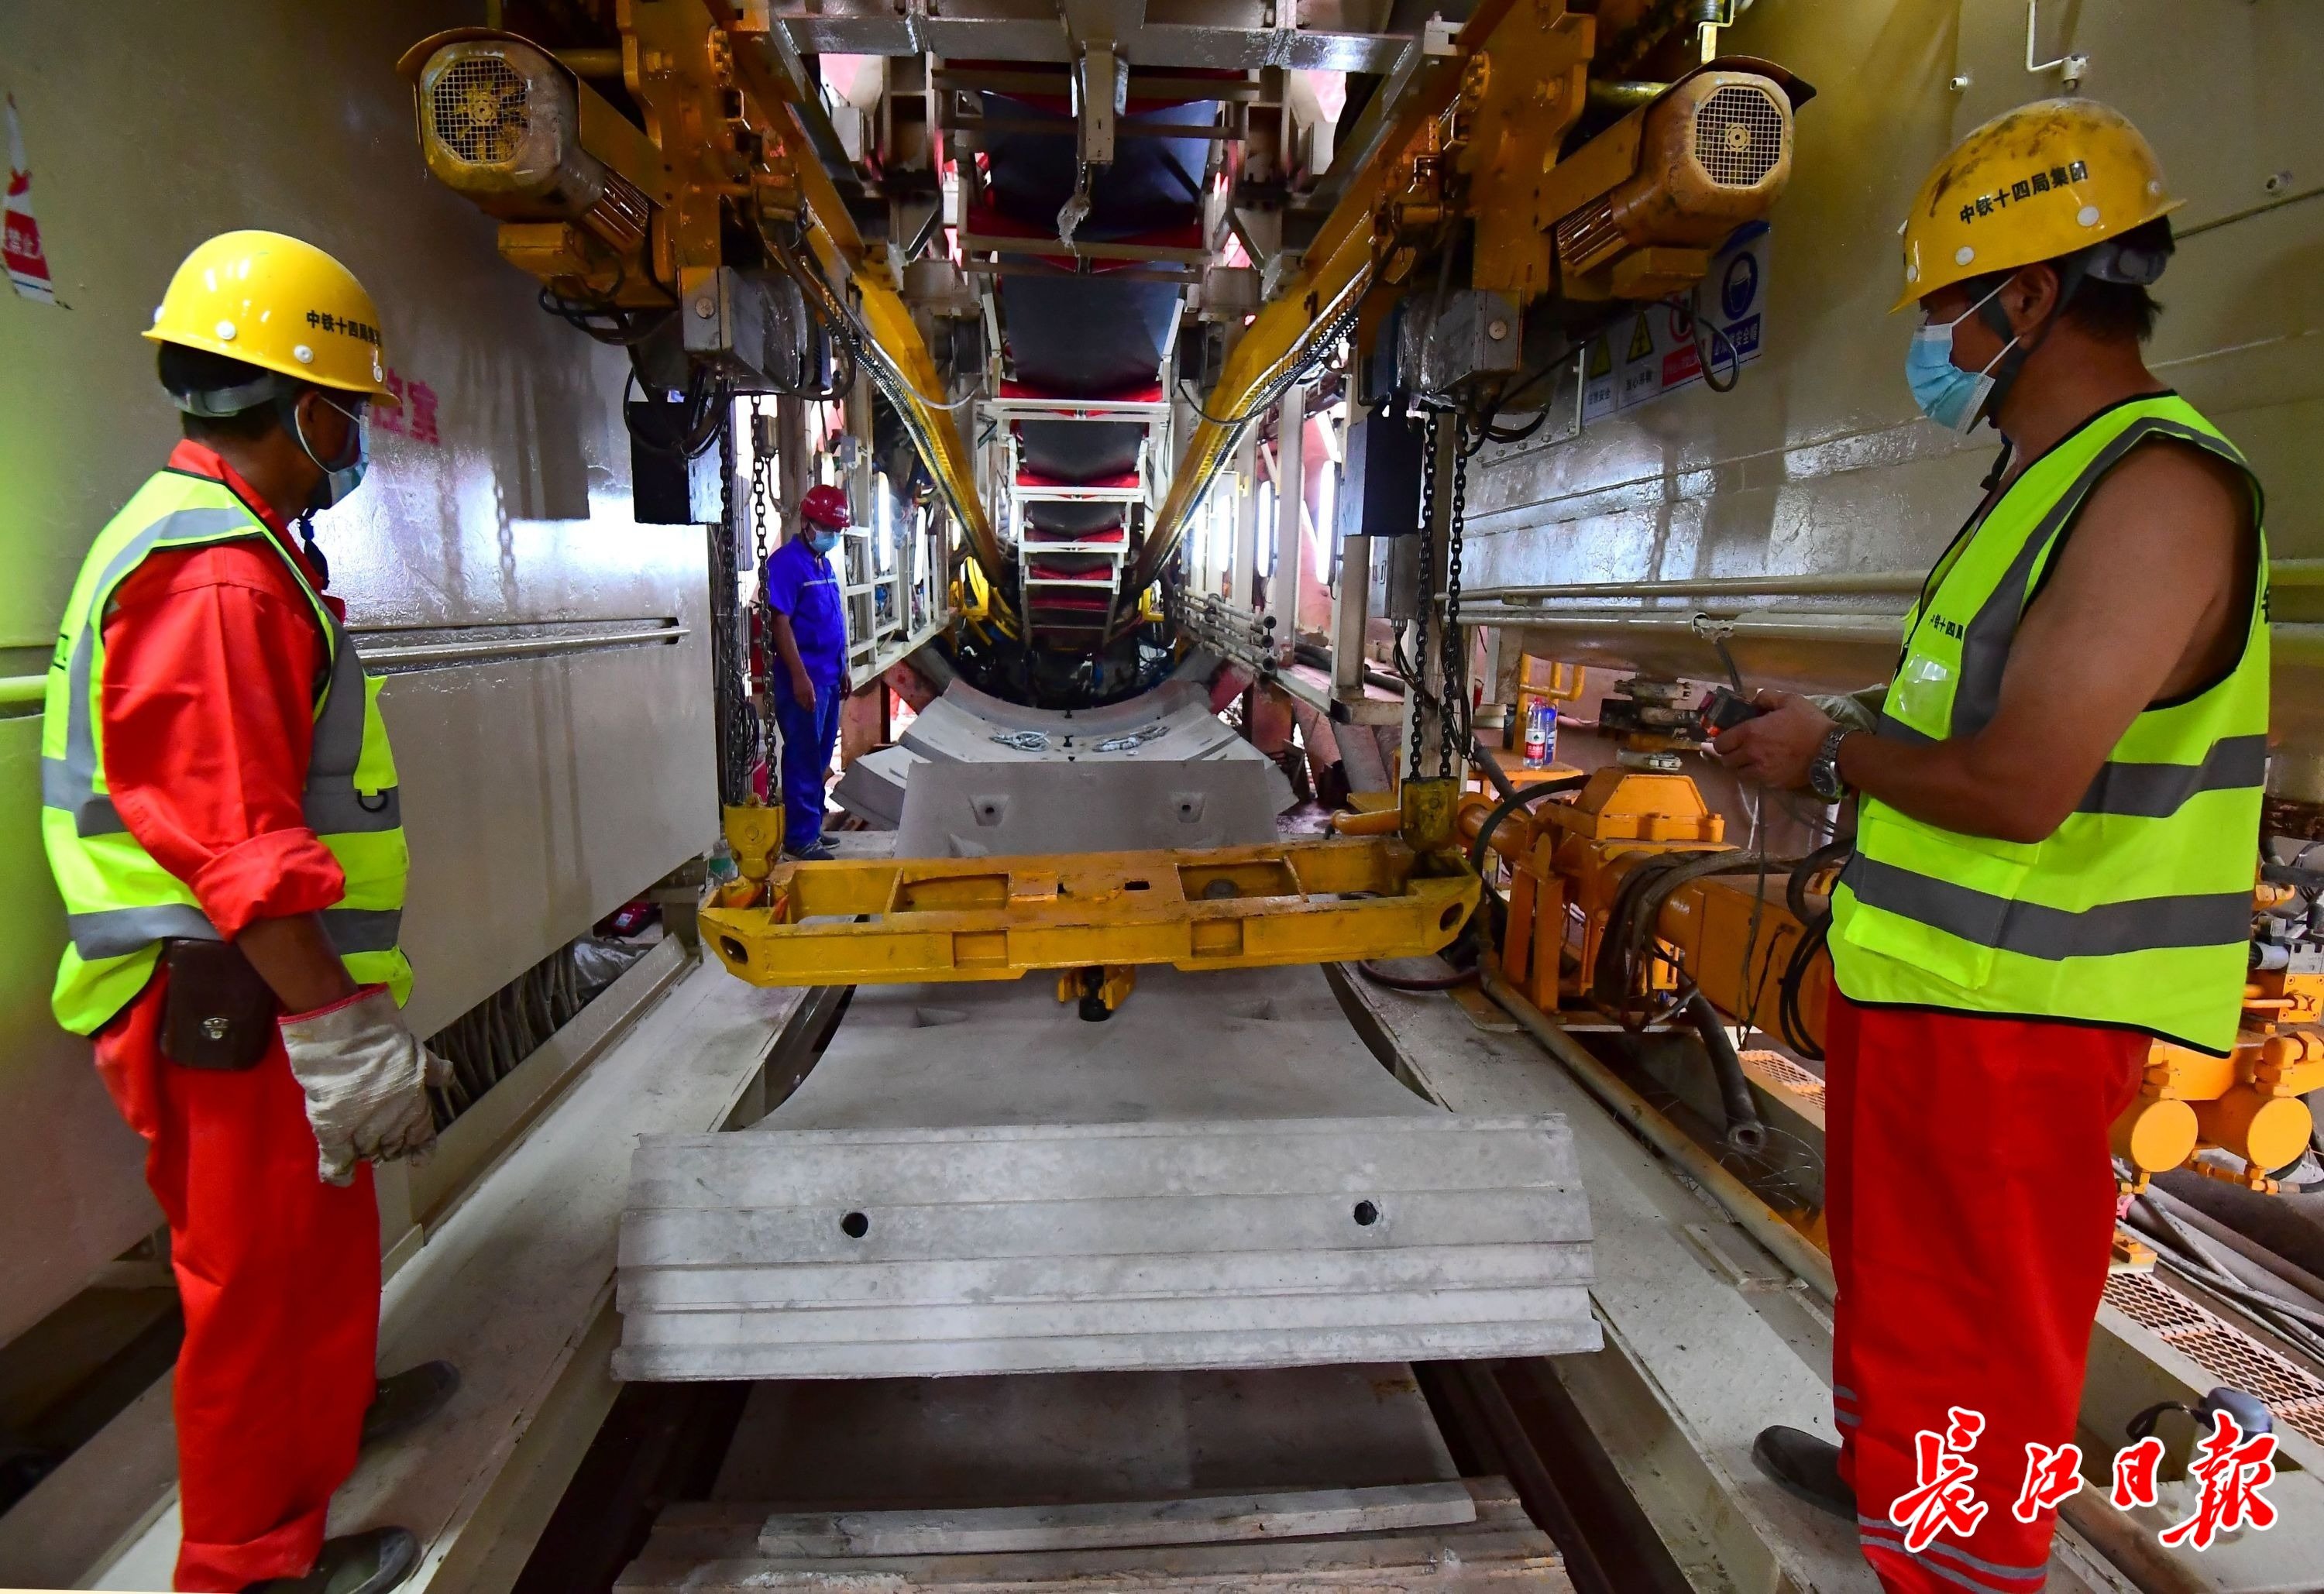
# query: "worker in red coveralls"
219,810
2058,803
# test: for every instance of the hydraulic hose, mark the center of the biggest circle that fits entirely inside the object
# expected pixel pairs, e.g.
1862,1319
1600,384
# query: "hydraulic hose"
1745,1131
1493,817
1795,886
1490,768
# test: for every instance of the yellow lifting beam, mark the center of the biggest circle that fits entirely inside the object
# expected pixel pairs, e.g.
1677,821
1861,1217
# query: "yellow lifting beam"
996,918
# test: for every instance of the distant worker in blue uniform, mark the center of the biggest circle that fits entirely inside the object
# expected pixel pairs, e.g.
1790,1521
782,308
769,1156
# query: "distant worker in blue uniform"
809,630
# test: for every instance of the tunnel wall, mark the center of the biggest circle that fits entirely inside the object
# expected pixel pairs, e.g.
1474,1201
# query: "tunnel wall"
1818,462
539,792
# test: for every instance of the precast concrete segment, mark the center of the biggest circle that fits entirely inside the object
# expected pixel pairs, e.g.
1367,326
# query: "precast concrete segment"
873,787
974,1181
1049,807
1171,725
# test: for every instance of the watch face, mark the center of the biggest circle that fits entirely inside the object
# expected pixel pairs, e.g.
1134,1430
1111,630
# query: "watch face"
1824,771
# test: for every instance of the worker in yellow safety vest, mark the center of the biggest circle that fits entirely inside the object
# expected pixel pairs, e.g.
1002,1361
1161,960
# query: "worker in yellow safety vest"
220,812
2058,802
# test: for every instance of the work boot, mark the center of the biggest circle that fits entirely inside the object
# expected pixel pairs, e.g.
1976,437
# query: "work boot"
360,1563
813,852
1806,1468
405,1400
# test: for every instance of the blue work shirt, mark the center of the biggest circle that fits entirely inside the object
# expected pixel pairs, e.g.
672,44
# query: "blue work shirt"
800,585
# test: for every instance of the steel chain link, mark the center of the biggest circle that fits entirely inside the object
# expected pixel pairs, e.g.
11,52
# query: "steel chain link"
1452,705
736,724
761,663
1416,674
761,502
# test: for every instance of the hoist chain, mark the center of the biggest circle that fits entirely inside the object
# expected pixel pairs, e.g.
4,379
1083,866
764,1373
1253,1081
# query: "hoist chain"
761,499
1416,674
1452,705
762,516
736,724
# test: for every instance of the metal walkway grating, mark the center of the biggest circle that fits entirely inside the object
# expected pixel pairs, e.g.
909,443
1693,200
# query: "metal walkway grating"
1782,1071
2221,1349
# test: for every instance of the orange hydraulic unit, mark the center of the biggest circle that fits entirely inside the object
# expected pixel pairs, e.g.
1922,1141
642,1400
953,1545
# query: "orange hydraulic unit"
1733,936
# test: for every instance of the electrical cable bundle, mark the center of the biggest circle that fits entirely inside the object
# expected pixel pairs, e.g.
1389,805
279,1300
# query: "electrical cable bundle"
2290,1312
1814,936
700,419
1317,354
605,320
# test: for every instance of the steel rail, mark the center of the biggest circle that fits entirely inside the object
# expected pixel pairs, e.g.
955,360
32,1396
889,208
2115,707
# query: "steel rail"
1793,1249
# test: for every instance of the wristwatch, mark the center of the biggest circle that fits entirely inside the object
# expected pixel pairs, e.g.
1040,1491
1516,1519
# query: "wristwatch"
1823,770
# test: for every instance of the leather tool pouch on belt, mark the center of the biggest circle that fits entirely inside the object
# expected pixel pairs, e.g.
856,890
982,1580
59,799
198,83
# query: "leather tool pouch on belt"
218,1013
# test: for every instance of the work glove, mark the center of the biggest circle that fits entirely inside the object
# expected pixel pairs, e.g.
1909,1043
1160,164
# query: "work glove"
366,1077
1856,710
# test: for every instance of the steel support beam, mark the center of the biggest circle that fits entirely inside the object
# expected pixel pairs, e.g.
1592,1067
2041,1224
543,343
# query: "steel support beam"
1336,268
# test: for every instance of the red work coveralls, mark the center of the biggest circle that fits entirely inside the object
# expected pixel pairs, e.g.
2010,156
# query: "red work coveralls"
1969,1194
213,657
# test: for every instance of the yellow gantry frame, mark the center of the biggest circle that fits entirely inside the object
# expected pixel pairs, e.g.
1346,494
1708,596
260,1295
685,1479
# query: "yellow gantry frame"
680,59
1344,261
996,919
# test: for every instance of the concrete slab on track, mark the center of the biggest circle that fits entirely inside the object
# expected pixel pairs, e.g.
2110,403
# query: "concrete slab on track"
974,1181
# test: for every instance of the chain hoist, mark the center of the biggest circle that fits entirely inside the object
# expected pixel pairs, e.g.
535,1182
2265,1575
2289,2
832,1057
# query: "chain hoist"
1453,704
761,631
1415,668
736,723
762,459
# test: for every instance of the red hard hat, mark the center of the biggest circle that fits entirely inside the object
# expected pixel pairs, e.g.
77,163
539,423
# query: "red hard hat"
825,507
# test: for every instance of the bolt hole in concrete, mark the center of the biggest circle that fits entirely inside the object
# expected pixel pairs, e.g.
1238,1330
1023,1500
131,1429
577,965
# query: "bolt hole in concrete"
1366,1215
855,1225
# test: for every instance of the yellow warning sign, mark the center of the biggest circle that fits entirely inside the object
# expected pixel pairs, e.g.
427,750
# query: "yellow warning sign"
1642,342
1601,358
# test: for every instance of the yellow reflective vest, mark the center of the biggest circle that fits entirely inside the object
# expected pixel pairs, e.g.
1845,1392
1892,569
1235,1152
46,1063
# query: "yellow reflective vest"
120,904
2137,911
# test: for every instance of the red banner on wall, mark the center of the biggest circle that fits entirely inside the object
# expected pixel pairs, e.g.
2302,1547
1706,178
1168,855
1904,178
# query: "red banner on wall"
19,235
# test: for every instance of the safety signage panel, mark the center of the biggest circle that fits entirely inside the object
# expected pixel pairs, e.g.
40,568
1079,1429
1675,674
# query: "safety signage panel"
1662,346
19,235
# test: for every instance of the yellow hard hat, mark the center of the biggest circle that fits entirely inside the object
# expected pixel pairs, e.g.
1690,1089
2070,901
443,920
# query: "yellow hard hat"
2041,181
281,304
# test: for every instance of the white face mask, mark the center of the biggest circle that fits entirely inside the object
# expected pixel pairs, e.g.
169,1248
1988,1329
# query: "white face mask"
1947,394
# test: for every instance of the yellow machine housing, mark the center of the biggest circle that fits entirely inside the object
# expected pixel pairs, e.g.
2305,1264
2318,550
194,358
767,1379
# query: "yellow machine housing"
508,127
1566,862
1642,206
